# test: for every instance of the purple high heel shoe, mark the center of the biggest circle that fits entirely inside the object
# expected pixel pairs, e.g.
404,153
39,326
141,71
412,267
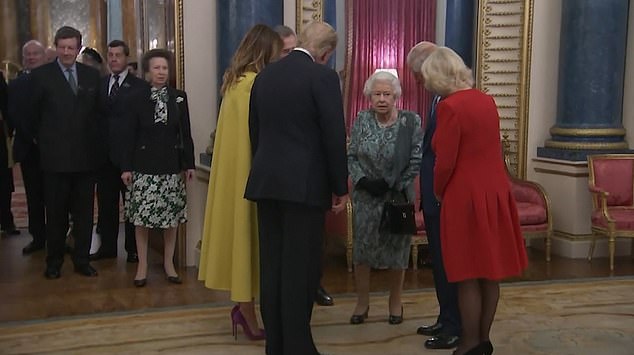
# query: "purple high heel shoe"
238,319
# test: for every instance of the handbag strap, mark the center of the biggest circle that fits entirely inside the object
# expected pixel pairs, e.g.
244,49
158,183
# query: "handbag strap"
402,148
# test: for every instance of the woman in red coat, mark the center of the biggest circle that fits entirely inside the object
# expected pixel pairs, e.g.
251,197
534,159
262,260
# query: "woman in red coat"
480,233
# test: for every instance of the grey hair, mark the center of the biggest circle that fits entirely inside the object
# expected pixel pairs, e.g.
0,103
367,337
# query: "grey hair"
382,76
33,42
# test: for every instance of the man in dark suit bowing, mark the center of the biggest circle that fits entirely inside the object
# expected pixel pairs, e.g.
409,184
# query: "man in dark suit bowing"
115,89
446,331
298,171
6,171
25,151
66,122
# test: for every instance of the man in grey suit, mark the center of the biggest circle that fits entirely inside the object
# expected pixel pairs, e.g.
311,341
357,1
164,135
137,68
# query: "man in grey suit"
67,126
298,171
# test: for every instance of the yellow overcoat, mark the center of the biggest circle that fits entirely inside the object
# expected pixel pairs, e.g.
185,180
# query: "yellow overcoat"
229,257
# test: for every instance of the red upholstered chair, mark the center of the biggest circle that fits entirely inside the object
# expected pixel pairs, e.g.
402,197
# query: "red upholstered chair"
421,236
339,227
611,183
533,207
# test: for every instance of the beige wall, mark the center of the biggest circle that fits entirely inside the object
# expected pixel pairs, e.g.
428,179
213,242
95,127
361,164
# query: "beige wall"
200,84
543,78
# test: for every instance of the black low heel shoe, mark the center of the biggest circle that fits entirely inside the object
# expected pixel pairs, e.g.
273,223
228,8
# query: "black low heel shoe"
174,279
396,319
140,283
486,347
359,318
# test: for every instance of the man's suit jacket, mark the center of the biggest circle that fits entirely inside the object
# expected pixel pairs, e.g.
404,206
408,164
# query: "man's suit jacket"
297,133
3,96
429,203
114,110
155,148
66,126
4,125
19,96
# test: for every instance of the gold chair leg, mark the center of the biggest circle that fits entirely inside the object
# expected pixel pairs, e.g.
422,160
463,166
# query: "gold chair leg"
548,245
592,244
611,246
349,258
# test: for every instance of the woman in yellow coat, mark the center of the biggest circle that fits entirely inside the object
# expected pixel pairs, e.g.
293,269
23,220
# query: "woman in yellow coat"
229,254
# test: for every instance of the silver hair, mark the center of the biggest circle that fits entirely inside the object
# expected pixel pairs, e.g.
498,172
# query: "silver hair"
382,76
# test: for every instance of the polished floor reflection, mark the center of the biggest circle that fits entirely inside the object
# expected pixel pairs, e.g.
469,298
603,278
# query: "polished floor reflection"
27,295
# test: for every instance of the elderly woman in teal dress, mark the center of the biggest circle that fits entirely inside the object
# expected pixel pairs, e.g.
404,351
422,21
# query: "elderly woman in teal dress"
373,155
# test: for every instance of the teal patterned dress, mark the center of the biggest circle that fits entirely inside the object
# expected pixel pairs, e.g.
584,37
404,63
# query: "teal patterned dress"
370,154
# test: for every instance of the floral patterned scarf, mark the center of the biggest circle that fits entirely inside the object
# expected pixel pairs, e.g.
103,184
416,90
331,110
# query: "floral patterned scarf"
160,109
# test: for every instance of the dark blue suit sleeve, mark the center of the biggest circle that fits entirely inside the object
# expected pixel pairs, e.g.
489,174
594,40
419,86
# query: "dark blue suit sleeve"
332,124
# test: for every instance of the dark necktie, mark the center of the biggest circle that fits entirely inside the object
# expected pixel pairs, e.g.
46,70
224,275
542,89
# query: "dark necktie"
71,80
114,90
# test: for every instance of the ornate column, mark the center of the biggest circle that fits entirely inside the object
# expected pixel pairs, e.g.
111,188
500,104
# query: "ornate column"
236,17
9,47
459,28
591,74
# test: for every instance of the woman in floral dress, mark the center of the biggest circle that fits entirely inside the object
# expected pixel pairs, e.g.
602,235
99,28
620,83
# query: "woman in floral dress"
158,150
372,156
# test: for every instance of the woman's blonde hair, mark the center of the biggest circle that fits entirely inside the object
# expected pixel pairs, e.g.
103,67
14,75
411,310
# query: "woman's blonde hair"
259,47
445,72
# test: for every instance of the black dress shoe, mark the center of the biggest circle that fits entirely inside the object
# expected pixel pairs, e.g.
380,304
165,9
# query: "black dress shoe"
174,279
132,258
102,255
86,270
322,298
486,347
52,273
32,247
442,341
396,319
430,330
140,283
359,318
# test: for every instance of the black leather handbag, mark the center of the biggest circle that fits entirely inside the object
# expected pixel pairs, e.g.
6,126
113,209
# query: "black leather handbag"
398,217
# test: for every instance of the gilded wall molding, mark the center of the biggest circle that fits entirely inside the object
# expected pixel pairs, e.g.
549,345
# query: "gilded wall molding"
587,132
179,46
307,11
503,69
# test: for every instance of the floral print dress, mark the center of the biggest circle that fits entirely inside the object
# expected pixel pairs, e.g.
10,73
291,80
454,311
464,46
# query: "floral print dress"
371,155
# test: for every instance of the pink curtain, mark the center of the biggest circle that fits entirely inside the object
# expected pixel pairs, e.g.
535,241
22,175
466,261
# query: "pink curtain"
380,34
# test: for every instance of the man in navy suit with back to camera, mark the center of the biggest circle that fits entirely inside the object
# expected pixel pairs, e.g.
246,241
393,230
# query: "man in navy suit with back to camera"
446,331
66,123
116,88
25,150
299,171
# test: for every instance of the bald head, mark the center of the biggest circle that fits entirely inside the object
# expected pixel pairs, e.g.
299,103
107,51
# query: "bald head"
320,39
32,55
417,56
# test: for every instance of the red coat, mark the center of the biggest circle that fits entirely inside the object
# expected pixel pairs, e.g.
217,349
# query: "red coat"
480,233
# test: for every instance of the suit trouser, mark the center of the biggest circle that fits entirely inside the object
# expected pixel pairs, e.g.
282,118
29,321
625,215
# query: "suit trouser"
64,193
446,293
291,236
109,187
33,178
6,190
